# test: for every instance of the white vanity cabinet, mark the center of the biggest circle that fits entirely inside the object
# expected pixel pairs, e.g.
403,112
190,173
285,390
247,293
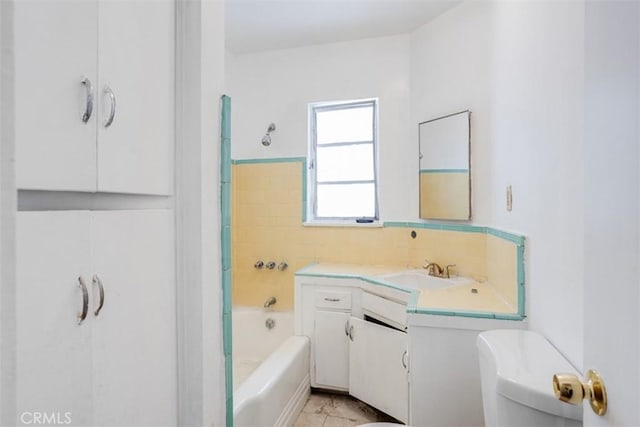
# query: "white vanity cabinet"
378,373
117,366
331,350
324,320
94,96
358,342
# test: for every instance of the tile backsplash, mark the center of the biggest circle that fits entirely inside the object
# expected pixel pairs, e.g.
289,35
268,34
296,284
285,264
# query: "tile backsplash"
268,200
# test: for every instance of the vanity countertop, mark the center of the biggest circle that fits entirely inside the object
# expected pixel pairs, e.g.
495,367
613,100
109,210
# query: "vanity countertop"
469,298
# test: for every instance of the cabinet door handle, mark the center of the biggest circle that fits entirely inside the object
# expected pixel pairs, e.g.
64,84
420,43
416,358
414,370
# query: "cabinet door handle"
88,109
112,113
331,299
97,281
404,362
346,328
85,300
351,333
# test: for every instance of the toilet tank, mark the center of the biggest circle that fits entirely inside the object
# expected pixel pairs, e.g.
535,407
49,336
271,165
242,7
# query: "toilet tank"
516,374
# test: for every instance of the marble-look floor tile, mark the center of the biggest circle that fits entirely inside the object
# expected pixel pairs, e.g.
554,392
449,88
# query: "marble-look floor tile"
337,410
338,422
318,402
307,419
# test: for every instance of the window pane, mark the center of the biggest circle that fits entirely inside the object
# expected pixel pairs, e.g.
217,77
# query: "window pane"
346,200
345,163
345,125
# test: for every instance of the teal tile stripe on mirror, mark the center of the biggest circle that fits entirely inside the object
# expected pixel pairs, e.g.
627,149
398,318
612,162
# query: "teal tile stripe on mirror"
225,207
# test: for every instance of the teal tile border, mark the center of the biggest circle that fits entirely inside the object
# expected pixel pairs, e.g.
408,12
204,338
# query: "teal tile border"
467,228
473,314
305,200
444,170
513,238
269,160
521,280
225,242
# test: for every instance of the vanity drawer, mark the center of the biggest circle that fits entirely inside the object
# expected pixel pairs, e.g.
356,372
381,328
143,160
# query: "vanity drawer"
333,299
385,310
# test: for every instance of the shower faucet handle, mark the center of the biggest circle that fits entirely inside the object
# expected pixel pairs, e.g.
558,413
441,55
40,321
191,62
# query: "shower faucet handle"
283,265
258,265
271,265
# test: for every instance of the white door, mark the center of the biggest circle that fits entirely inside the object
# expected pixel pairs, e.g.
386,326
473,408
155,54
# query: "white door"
53,374
134,340
378,367
331,349
55,49
611,213
136,63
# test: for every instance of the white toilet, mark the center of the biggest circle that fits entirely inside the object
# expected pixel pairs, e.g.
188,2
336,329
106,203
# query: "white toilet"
516,372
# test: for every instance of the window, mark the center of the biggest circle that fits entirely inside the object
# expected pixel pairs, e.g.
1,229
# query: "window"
343,160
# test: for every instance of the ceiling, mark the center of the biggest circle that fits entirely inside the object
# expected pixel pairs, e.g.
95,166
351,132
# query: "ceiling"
254,25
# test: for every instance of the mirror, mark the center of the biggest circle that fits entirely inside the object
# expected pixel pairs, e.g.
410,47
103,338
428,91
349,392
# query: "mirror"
445,181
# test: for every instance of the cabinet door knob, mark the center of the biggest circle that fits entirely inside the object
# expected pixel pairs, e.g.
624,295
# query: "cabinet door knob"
85,300
97,281
112,112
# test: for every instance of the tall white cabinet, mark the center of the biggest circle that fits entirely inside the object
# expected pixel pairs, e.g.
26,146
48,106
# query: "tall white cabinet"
116,367
94,91
96,289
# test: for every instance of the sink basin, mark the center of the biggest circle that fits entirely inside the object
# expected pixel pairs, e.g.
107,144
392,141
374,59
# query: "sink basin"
419,279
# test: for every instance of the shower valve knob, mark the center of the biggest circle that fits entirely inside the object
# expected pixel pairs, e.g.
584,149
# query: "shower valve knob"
283,266
258,265
271,265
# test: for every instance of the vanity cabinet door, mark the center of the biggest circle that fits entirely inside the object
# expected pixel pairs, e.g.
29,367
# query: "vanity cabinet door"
377,367
331,350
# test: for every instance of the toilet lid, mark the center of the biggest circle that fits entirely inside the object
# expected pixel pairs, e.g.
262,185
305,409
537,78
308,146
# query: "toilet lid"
525,363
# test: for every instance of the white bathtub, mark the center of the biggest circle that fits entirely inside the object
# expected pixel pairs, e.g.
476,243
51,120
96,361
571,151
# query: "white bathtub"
271,369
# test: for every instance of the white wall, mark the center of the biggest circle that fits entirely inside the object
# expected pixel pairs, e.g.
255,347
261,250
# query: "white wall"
518,67
277,86
8,203
537,133
200,79
450,73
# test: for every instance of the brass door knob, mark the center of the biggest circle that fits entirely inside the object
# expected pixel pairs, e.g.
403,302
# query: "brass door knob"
569,388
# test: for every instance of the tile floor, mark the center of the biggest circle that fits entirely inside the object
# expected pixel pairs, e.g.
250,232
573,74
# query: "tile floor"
337,410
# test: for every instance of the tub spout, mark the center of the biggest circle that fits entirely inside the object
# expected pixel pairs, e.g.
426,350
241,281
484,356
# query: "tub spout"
269,302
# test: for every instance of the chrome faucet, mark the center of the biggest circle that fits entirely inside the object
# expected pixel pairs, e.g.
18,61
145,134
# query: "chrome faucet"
269,302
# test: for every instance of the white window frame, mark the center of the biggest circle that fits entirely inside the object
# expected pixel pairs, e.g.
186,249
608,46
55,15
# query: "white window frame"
314,108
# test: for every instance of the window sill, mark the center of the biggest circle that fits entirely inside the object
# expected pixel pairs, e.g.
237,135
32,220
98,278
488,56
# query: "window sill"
345,223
